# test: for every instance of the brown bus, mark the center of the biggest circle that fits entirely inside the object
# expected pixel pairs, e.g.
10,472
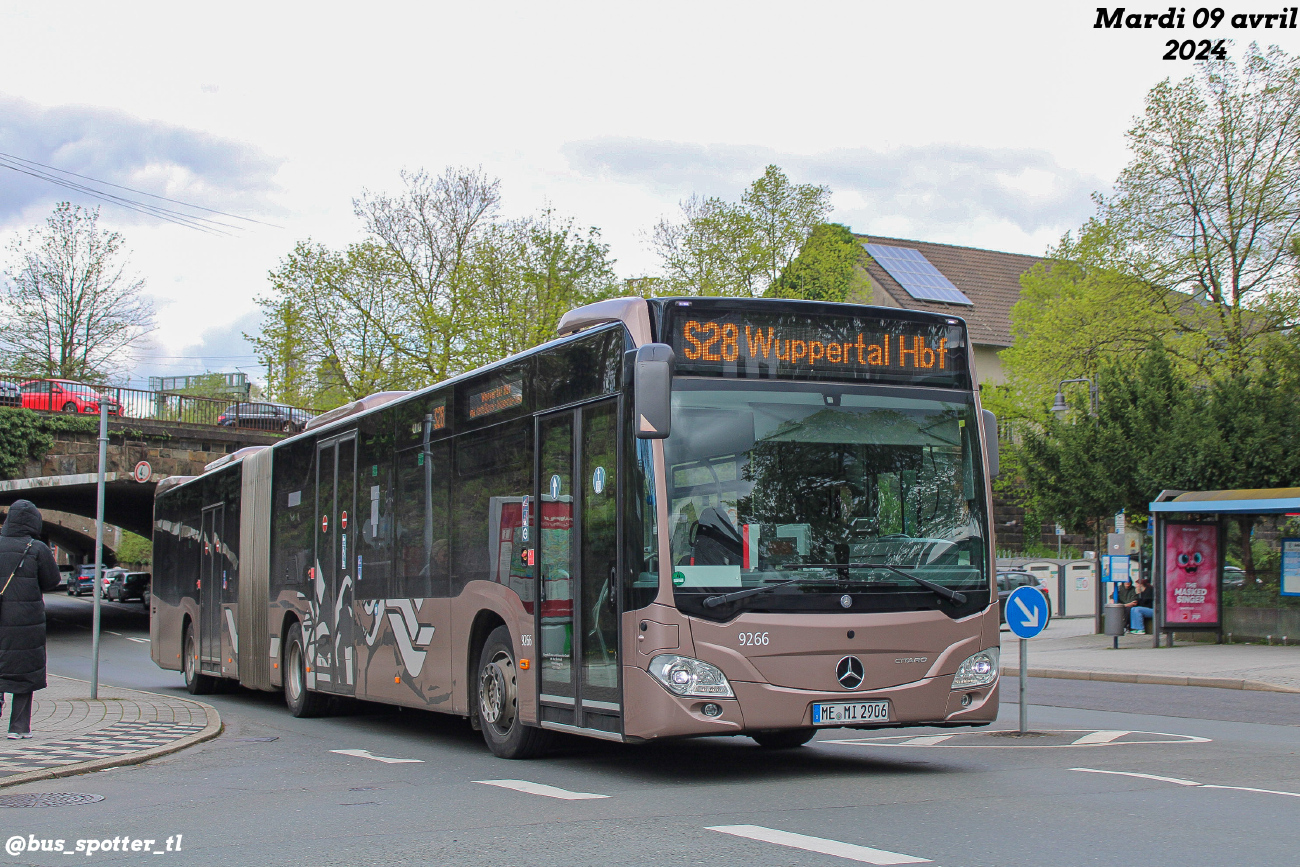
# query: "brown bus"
684,517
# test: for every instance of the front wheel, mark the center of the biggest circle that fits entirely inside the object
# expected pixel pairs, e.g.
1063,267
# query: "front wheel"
195,681
69,407
302,701
784,740
287,427
498,702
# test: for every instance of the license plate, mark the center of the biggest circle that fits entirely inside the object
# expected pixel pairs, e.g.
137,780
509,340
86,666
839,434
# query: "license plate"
846,713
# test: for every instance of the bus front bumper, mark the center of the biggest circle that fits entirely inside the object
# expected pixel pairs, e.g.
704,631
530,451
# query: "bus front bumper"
764,707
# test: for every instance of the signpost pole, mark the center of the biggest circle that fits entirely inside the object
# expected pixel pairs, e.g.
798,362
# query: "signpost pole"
99,547
1024,677
1027,617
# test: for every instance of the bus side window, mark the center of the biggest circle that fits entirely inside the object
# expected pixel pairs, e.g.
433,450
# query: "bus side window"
420,522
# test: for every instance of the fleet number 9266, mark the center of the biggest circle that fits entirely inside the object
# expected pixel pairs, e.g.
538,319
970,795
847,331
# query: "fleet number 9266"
753,639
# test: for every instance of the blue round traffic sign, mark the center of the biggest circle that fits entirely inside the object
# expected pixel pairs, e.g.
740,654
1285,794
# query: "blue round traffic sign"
1027,612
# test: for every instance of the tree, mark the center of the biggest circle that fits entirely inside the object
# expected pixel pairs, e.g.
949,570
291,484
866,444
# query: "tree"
525,275
327,325
73,310
739,249
1156,428
429,233
440,286
1204,216
823,270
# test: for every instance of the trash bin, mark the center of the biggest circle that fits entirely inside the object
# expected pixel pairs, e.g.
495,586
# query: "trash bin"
1115,618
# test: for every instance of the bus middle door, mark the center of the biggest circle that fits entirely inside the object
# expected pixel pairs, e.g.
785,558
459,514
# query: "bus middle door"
330,642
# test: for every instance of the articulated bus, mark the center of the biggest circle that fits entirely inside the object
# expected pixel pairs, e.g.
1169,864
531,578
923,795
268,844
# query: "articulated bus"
683,517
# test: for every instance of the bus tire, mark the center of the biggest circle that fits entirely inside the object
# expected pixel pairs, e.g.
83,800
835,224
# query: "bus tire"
495,688
302,702
196,682
783,740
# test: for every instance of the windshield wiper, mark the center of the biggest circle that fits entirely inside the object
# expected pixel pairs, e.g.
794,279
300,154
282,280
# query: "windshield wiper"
945,592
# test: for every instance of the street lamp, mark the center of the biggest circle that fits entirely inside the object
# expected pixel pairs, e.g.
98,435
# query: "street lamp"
1059,406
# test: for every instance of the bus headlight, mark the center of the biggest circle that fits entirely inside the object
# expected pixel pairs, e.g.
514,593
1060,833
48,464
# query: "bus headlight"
980,669
690,677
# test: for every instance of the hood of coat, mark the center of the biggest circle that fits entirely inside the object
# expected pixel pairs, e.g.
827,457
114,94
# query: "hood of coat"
24,520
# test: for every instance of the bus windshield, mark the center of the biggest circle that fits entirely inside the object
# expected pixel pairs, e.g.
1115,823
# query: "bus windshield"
819,488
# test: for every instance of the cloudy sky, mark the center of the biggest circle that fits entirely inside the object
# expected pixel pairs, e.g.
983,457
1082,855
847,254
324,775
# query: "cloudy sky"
982,124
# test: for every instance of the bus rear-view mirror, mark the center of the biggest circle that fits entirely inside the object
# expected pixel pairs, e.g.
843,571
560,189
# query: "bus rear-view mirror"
653,391
991,441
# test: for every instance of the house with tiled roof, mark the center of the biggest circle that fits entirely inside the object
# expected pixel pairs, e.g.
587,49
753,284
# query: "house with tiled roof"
986,284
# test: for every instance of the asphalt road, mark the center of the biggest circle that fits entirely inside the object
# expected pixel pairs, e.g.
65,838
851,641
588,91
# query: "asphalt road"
1218,783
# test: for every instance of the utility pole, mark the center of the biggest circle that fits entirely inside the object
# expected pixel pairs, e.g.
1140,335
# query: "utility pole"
99,546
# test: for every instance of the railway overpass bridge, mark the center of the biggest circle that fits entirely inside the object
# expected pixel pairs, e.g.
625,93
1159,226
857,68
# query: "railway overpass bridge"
63,480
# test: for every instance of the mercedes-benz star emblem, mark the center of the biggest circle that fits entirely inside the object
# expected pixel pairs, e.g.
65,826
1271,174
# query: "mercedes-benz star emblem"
846,601
850,672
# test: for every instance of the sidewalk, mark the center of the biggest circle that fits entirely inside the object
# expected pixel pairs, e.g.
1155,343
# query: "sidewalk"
1069,649
73,735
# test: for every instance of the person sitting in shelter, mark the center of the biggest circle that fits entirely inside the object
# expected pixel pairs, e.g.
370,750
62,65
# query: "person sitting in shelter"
1125,594
1141,607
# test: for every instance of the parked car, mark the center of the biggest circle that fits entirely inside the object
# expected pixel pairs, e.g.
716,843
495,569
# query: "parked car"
265,416
10,394
1010,580
64,395
65,575
124,586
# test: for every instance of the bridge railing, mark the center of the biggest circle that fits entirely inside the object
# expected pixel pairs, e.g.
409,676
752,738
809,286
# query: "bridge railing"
162,406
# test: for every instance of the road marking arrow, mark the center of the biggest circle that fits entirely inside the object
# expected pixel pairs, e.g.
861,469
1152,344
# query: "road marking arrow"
365,754
1031,617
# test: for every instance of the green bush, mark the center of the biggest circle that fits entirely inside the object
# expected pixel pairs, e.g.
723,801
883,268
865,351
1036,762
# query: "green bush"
135,550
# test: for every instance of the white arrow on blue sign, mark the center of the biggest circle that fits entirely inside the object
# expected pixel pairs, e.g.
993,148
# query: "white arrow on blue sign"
1027,612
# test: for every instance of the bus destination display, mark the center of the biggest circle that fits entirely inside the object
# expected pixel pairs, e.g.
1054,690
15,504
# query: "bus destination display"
858,348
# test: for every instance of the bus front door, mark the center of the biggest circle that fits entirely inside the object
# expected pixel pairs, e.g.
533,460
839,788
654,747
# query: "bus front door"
211,572
330,634
577,549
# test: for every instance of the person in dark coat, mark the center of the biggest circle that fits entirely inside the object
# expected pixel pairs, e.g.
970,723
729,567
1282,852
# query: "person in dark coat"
22,611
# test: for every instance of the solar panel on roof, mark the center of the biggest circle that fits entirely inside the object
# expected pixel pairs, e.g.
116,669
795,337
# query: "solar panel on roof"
914,273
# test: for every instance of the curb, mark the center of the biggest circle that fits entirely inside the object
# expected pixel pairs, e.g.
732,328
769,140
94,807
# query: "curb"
1163,679
209,731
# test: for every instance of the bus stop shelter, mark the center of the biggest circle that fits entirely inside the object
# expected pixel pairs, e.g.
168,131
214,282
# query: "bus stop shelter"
1190,535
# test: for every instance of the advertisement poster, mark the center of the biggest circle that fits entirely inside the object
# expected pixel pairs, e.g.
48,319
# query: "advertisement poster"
1291,567
1191,575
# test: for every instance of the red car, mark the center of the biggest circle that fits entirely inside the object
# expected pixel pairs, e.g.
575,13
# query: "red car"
63,395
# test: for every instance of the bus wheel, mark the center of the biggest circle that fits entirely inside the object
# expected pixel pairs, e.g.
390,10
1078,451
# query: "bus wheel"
302,702
195,681
784,740
498,702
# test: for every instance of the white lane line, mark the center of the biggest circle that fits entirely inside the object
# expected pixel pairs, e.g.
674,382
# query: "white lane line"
366,754
1248,789
539,789
111,632
1174,780
1099,738
927,741
138,640
865,854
